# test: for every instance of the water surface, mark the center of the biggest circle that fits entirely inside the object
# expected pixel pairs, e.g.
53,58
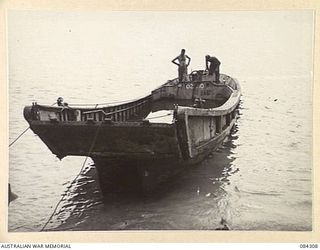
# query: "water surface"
260,179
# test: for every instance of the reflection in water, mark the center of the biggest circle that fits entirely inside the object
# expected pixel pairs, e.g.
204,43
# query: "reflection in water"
259,181
195,199
80,196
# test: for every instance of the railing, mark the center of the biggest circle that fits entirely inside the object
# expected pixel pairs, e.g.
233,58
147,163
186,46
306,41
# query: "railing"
122,112
117,113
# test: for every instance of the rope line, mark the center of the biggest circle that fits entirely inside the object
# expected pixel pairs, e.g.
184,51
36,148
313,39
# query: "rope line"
18,137
73,181
23,132
57,205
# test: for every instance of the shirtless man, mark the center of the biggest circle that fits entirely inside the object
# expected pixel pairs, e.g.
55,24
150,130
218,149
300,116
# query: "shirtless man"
182,64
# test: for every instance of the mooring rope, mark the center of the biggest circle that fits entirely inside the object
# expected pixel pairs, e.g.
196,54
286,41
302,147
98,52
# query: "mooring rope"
23,132
57,205
18,137
73,181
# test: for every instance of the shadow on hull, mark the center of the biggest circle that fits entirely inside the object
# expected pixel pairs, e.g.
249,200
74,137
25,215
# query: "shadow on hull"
119,175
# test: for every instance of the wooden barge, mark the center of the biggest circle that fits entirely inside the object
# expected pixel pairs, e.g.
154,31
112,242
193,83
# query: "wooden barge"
147,139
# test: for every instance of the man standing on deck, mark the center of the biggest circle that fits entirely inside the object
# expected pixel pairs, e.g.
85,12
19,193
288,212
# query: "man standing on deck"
214,66
182,64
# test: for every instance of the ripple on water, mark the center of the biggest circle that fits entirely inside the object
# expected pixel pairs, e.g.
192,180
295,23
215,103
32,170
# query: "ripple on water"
259,180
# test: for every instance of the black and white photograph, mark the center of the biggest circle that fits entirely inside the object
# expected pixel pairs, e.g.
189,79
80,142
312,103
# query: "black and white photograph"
160,120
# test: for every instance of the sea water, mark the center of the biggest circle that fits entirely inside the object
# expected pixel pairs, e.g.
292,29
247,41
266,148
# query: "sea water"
260,179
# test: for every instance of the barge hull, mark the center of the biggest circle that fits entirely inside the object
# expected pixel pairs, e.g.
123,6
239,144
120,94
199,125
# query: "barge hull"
131,140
